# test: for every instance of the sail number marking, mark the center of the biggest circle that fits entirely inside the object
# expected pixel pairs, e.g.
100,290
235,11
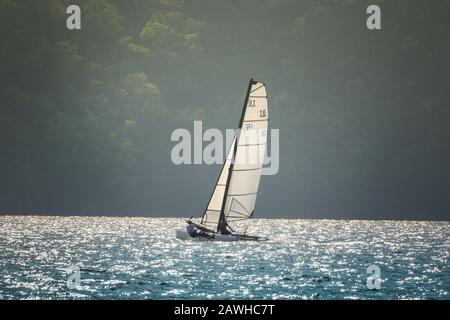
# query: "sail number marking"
262,113
252,103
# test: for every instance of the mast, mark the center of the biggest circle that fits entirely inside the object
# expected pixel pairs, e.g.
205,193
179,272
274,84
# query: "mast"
230,171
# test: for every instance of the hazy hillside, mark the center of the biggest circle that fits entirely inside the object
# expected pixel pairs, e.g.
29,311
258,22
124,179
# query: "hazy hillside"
86,116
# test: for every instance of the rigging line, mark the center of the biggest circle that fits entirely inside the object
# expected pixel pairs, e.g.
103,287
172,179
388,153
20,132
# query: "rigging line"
257,120
241,194
239,213
252,144
254,169
257,88
241,206
234,219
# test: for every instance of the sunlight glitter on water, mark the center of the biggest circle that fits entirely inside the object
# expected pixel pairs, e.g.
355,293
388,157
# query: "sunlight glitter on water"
139,258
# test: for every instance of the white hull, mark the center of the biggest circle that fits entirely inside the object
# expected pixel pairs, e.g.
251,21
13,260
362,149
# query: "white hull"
183,235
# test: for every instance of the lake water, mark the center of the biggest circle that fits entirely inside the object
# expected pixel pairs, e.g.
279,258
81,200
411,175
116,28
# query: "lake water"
139,258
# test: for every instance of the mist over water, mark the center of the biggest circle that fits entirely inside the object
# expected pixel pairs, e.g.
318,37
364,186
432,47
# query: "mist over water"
139,258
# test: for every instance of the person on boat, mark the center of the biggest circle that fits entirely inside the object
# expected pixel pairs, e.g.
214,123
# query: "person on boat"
223,228
190,228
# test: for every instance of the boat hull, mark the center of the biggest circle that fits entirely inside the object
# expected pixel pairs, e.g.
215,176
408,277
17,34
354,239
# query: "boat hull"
183,235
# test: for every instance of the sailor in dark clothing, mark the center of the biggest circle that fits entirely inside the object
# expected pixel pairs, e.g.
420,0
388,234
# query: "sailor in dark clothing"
223,228
190,228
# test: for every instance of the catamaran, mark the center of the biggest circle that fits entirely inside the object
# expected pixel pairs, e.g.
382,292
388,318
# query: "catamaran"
234,195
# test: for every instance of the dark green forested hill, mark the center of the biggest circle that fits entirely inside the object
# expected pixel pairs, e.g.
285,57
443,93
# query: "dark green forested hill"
86,115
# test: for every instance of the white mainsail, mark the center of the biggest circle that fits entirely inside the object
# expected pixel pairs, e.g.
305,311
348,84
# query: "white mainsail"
249,156
235,193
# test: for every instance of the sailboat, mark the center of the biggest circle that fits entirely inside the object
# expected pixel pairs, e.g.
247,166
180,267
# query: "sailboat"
234,195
